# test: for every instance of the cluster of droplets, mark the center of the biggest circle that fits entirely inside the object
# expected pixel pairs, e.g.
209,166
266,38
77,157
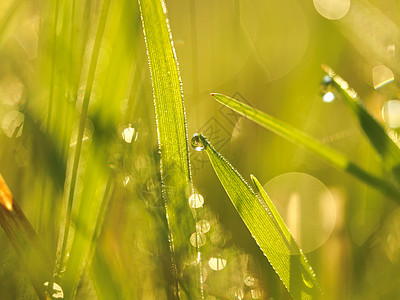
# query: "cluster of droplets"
327,89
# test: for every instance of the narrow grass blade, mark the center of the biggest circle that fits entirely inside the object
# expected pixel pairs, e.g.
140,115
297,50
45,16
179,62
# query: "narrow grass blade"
25,241
267,228
317,148
172,137
82,122
376,134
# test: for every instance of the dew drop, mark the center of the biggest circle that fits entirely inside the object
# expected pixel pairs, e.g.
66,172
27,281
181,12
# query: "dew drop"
328,97
196,201
129,134
217,263
203,226
56,292
198,239
196,143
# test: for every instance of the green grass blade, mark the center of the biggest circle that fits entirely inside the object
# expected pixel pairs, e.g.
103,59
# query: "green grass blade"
317,148
172,137
376,134
81,128
267,228
25,241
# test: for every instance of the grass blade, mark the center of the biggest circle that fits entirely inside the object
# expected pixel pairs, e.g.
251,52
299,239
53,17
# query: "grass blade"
25,241
317,148
377,135
172,137
266,227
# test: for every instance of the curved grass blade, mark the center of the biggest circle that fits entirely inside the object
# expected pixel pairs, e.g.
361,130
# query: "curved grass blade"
25,241
267,228
317,148
378,137
172,140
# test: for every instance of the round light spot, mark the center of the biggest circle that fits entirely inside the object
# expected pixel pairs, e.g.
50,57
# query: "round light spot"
217,263
198,239
391,113
381,75
196,201
203,226
249,281
332,9
306,205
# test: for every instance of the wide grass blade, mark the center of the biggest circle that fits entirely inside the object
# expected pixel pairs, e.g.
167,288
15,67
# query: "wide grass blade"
331,156
172,137
25,241
266,227
377,135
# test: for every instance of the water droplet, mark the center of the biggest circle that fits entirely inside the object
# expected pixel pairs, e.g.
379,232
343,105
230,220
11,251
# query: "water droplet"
328,97
203,226
55,292
196,200
129,134
217,263
391,113
126,180
249,281
196,143
327,89
13,123
327,79
198,239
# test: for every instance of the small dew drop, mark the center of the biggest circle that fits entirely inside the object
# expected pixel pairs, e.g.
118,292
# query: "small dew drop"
196,201
216,263
129,134
56,292
126,180
203,226
196,143
198,239
328,97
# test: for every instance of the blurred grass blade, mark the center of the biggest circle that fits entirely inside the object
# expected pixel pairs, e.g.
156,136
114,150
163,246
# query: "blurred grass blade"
376,134
172,140
267,228
25,241
317,148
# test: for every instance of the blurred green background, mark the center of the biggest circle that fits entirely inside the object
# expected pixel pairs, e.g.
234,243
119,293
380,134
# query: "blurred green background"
265,53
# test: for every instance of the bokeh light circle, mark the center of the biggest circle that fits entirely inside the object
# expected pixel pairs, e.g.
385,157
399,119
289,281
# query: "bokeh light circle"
306,205
332,9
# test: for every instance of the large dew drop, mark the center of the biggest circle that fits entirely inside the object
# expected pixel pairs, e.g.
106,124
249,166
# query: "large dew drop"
196,143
